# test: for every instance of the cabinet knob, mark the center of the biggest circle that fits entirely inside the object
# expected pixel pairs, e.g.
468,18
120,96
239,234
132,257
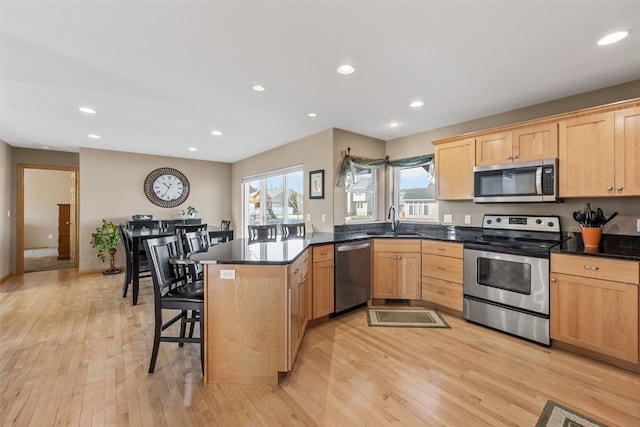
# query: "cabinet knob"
619,188
609,188
553,280
515,156
509,157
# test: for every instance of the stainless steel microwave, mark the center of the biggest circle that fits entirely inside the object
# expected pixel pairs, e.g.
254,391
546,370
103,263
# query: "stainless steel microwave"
534,181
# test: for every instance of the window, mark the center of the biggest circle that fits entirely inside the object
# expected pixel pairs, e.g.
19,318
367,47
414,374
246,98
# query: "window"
274,198
361,196
415,194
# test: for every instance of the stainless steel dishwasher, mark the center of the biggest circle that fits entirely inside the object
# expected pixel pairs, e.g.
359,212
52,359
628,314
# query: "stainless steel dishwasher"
353,275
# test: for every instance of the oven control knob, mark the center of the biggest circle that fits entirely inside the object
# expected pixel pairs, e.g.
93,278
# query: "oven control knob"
538,221
550,224
489,221
498,220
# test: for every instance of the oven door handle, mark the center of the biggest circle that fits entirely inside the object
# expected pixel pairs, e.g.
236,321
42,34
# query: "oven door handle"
539,180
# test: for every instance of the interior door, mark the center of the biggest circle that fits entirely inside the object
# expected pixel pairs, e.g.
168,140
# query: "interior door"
73,231
63,231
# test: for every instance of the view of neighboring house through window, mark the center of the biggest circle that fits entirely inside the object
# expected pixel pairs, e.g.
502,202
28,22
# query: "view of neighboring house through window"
274,198
415,194
361,196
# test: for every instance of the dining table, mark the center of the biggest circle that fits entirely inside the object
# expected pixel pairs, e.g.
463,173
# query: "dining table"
138,236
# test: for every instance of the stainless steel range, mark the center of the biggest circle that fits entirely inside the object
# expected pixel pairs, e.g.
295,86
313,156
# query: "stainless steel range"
506,274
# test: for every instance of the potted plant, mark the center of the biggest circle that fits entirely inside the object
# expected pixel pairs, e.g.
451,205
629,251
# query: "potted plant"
591,222
190,211
106,239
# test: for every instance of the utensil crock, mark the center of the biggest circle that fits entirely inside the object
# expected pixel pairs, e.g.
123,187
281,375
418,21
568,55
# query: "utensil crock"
591,236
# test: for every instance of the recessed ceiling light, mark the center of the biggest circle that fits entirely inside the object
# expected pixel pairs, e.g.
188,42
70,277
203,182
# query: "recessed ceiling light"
87,110
258,88
346,69
216,132
416,104
393,124
612,38
193,149
312,115
93,136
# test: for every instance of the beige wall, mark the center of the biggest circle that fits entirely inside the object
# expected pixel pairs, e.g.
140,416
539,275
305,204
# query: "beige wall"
628,208
111,187
43,190
314,152
6,184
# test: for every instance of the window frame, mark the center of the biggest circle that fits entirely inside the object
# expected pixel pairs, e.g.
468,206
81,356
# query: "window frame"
432,218
374,210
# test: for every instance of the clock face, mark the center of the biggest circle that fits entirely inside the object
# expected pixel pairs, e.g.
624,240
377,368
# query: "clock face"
166,187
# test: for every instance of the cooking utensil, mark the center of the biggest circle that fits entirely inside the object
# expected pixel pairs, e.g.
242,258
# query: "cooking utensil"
613,215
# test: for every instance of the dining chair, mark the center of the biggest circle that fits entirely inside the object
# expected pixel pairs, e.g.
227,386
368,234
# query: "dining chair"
143,270
173,291
290,231
263,233
194,242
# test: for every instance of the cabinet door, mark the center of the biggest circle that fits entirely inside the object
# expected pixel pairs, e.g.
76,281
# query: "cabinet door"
323,290
494,149
597,315
384,275
294,318
627,152
454,169
409,270
536,142
585,155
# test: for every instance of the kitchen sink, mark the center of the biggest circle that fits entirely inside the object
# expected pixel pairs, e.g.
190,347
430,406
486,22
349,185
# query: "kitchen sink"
384,233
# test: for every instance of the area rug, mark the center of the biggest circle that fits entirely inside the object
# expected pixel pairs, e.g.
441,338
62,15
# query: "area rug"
44,259
405,318
556,415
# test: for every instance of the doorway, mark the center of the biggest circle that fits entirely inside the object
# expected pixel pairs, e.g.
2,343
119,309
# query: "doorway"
46,218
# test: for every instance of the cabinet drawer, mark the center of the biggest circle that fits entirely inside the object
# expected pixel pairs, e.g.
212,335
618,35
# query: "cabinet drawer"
442,292
437,247
396,245
442,267
322,253
596,268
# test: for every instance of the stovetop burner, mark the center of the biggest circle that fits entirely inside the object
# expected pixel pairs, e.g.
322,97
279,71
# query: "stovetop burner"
522,234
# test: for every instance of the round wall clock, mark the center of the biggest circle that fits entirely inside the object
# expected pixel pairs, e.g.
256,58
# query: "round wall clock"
166,187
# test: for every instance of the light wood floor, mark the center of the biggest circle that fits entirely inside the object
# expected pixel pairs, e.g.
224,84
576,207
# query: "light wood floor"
73,352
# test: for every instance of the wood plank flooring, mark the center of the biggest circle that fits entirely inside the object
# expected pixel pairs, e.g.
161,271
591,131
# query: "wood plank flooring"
73,352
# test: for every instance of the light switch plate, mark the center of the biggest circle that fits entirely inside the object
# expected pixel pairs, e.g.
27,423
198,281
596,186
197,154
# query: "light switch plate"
448,218
227,274
308,217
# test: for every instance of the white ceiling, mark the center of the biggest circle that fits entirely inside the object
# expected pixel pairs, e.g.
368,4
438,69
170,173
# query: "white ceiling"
163,74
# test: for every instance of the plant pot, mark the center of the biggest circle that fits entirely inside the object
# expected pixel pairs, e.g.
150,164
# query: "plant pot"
591,236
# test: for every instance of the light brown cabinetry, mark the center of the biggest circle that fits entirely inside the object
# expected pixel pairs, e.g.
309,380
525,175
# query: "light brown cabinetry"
396,269
594,304
299,304
533,142
627,152
442,273
323,277
454,163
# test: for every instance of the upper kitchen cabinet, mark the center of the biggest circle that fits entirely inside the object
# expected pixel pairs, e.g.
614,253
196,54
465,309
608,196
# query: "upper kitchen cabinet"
455,161
599,154
627,152
534,142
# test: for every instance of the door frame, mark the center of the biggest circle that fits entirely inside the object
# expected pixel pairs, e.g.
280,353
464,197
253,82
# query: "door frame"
20,211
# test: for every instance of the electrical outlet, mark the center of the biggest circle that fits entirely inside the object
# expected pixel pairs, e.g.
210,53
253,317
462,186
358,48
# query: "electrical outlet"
228,274
638,225
448,218
467,219
50,236
9,214
308,217
324,218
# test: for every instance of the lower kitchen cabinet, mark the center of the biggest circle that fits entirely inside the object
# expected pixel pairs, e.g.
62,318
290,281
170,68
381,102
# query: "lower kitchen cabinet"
299,304
322,278
594,304
442,273
396,269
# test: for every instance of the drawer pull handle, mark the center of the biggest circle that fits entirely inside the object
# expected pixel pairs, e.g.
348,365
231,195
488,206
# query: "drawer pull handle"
441,268
591,267
441,249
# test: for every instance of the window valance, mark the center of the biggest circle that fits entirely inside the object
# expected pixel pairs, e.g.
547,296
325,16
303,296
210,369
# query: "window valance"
350,164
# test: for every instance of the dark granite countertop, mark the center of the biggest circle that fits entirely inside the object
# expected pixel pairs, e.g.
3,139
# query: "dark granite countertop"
611,246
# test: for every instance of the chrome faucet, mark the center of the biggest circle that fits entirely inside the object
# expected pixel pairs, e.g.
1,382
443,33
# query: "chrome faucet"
392,216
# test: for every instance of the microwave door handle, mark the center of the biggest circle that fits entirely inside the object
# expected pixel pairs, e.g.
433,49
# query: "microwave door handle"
539,180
